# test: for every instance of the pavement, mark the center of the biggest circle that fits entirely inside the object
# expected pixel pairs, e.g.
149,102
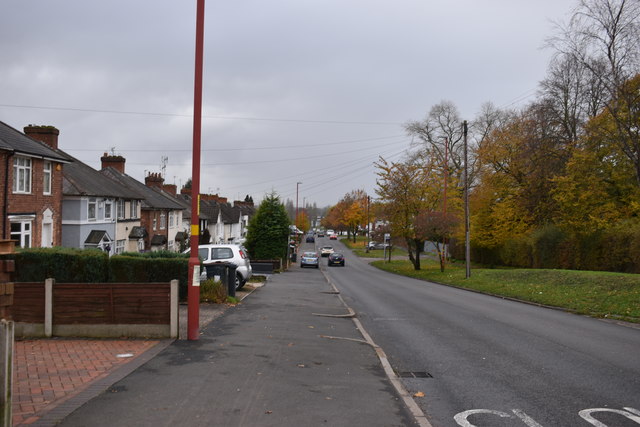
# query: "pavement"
53,377
288,355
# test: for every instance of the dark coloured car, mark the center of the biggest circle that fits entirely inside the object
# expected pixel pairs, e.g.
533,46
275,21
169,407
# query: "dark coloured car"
311,239
336,258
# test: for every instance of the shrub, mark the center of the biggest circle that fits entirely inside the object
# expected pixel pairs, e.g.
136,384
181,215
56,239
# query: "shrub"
545,247
213,291
66,265
149,267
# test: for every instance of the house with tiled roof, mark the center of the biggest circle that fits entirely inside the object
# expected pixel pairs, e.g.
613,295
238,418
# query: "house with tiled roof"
31,192
99,212
226,223
161,213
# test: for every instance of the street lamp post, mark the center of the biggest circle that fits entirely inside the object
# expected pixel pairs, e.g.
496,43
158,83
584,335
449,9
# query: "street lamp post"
193,280
295,221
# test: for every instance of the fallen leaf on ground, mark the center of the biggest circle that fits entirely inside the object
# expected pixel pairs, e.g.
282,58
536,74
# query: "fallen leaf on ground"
419,394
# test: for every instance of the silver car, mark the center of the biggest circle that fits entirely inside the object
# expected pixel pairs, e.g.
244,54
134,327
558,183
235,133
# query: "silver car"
211,254
310,259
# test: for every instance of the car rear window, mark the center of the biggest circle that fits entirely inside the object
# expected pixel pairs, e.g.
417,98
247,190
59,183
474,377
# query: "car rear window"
221,253
203,253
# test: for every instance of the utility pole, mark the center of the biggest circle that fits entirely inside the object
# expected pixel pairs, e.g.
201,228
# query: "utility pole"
368,225
467,245
444,203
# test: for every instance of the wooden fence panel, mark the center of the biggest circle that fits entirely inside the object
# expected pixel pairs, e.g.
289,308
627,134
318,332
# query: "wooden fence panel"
28,302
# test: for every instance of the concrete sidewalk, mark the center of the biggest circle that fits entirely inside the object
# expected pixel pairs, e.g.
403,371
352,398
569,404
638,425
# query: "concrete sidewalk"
286,356
53,377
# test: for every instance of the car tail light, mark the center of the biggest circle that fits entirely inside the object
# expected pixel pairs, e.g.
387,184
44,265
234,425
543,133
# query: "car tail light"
242,254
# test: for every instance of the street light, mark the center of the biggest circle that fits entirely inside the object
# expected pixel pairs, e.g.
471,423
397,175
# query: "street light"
295,221
193,280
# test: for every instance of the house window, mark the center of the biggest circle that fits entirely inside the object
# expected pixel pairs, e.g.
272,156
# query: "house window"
163,221
108,210
120,208
133,211
120,246
141,245
155,223
171,220
171,245
21,232
46,178
91,209
21,175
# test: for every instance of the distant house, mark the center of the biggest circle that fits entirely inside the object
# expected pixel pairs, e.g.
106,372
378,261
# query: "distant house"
226,223
98,212
31,196
161,213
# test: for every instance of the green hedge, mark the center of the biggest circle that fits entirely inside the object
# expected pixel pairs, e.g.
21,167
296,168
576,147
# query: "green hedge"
68,265
64,264
149,267
615,249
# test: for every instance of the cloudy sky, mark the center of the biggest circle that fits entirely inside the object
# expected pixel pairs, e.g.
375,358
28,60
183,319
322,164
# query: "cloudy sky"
309,91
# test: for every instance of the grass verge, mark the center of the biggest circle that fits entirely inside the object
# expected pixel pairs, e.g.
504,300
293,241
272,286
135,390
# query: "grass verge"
360,248
593,293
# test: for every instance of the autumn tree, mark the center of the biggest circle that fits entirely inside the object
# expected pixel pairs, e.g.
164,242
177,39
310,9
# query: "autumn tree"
407,189
603,36
436,227
599,186
302,222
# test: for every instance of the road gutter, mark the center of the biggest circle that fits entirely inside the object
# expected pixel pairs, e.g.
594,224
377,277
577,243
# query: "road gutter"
404,394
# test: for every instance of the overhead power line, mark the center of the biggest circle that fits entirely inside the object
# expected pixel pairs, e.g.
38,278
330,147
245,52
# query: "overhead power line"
217,117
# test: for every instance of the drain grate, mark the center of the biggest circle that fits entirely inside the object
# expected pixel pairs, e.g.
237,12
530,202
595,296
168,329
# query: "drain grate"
414,374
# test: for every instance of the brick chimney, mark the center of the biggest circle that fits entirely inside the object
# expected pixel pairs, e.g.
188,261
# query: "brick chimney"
46,134
116,162
154,180
171,189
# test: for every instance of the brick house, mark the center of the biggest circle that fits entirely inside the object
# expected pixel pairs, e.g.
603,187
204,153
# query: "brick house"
31,175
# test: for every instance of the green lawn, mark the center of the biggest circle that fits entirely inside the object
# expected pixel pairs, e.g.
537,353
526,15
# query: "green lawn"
360,248
593,293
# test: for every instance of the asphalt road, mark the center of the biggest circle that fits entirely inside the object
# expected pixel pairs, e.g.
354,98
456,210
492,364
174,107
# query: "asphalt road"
494,362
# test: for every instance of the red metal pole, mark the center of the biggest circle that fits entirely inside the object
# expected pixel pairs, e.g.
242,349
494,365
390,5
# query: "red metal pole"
193,290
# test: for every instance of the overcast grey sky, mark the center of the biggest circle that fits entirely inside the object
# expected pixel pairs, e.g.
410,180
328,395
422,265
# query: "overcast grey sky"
304,91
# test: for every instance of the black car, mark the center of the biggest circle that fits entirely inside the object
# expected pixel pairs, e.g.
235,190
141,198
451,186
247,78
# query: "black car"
311,239
336,258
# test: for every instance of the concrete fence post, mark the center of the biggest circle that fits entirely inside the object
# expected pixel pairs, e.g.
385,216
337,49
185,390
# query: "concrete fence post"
48,307
173,300
6,370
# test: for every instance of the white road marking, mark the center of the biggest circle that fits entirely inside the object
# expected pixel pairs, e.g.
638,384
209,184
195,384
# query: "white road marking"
631,413
461,418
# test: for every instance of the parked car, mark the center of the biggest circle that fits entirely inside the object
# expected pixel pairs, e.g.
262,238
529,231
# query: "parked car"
335,258
320,233
310,259
310,239
378,245
333,237
211,254
326,251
